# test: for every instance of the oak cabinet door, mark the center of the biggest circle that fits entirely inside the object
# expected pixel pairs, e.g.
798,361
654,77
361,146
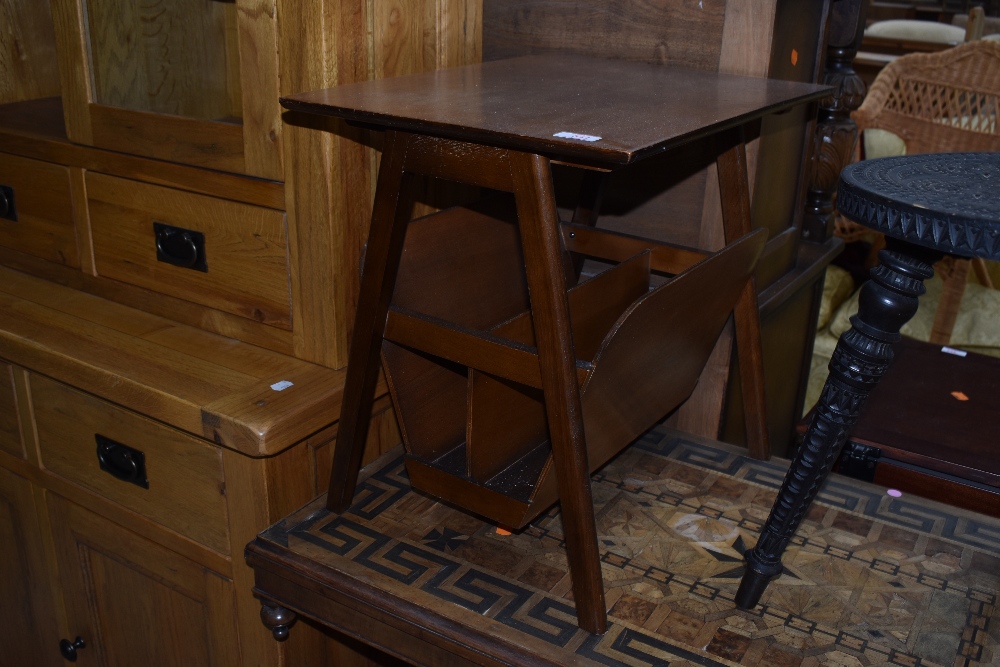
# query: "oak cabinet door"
187,81
28,634
135,602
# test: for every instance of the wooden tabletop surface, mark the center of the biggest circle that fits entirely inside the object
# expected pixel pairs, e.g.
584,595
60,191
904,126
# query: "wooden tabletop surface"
634,109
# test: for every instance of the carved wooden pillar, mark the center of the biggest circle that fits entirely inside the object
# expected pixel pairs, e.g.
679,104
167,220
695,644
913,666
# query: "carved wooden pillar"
836,134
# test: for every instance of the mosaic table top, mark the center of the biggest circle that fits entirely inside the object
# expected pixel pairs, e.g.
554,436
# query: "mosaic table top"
870,579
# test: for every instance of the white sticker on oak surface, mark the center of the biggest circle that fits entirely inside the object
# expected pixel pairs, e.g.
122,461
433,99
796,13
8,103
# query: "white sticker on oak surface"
574,135
281,386
951,350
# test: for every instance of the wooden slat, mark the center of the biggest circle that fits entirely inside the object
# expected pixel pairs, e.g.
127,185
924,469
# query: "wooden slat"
199,382
458,161
178,310
482,351
619,247
71,48
258,78
173,138
539,221
735,194
35,129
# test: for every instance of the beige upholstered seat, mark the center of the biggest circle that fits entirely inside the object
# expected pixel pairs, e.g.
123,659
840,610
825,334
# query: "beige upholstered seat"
913,29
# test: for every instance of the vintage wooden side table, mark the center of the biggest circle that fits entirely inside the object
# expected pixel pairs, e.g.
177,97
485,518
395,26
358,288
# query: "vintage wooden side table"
499,126
927,206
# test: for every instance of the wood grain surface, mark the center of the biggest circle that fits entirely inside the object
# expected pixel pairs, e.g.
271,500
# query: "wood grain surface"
194,380
635,109
42,199
246,248
186,489
10,428
27,51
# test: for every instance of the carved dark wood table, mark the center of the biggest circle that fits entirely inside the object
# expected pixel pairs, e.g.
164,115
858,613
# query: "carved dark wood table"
927,206
499,125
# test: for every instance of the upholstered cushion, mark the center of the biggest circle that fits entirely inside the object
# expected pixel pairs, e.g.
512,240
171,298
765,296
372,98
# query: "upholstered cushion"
837,287
976,327
923,31
882,143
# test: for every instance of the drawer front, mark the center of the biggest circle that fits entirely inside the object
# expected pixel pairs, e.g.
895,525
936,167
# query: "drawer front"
186,489
39,193
221,254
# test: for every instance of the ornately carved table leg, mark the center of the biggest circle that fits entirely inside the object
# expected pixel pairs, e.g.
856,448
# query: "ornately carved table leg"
277,620
887,302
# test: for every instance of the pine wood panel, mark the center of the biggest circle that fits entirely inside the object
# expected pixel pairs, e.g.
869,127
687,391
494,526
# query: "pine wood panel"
245,247
27,51
136,603
27,628
328,163
257,69
186,486
44,227
664,31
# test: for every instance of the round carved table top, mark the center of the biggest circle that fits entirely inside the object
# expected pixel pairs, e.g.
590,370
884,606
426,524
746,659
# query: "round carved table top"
947,201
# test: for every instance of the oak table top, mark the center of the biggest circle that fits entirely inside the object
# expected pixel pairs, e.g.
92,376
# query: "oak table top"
617,111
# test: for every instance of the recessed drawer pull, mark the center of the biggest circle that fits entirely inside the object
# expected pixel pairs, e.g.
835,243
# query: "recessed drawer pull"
7,209
122,461
180,247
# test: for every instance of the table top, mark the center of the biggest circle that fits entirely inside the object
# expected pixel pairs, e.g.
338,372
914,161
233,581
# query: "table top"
570,107
946,201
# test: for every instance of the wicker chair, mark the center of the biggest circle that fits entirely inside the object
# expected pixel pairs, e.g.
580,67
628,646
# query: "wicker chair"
936,103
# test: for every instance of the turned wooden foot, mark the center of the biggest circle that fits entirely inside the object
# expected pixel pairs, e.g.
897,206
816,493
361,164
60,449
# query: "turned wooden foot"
862,356
277,620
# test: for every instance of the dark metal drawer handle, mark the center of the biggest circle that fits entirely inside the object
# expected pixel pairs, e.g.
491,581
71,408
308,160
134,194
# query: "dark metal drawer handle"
69,650
7,209
122,461
180,247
